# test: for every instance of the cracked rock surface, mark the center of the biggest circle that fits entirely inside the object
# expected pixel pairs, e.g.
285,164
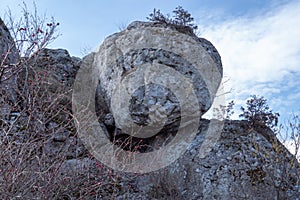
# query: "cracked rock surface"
170,65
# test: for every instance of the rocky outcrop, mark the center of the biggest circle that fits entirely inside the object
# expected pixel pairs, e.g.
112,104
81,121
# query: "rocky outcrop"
51,162
243,164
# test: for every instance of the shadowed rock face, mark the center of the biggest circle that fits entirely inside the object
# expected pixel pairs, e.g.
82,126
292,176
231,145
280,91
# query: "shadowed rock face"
8,52
8,59
56,70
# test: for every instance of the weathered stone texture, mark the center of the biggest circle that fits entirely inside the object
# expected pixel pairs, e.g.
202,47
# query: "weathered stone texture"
161,54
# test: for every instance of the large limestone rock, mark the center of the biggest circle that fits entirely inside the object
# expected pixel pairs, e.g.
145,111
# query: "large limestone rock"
154,77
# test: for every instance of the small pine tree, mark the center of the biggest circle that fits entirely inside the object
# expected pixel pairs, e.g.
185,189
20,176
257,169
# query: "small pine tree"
258,111
182,20
157,16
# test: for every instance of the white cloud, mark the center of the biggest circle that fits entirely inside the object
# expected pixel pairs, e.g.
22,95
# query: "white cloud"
260,54
263,48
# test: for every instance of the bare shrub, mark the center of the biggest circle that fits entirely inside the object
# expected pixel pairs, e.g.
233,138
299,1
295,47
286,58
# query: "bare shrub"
41,156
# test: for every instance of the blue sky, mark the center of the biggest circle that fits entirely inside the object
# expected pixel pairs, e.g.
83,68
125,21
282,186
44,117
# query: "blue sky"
84,24
259,40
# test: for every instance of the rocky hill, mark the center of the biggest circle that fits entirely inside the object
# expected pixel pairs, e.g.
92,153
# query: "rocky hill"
43,156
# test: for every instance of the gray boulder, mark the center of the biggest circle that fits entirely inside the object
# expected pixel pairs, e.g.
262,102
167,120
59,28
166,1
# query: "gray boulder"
155,77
